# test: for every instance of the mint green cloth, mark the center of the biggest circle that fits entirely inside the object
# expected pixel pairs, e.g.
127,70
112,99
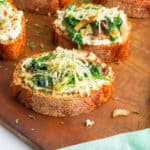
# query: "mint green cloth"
139,140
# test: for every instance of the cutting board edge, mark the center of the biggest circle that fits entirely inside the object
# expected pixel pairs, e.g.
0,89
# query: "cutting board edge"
19,135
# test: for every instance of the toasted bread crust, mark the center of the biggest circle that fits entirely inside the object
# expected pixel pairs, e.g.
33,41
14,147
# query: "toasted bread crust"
108,53
13,49
60,105
134,8
63,3
41,6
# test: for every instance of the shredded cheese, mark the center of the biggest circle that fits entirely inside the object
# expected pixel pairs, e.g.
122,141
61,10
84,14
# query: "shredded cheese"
64,66
84,12
10,22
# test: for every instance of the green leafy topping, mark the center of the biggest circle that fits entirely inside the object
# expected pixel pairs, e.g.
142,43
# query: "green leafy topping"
35,65
76,36
51,55
113,37
42,80
62,86
95,25
71,21
38,63
96,72
113,27
118,22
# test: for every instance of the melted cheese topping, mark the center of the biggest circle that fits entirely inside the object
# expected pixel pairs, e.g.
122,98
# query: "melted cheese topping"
10,22
61,67
99,13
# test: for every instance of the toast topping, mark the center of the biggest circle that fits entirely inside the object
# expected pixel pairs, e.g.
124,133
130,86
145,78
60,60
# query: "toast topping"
92,24
10,22
64,72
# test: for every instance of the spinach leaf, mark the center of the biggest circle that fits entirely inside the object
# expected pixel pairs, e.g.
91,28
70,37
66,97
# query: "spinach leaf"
113,38
76,36
96,72
51,55
43,81
111,26
118,22
42,66
70,81
95,25
71,21
34,66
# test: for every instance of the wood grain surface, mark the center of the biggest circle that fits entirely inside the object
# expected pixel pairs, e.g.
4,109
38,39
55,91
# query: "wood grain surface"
132,92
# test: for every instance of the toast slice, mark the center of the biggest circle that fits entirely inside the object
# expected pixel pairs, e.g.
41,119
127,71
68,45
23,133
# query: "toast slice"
133,8
42,6
12,35
62,82
97,31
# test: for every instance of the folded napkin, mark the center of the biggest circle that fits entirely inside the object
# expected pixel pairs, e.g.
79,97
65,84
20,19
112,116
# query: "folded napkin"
139,140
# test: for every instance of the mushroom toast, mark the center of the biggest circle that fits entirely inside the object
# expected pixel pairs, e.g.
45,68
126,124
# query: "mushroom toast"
63,82
104,31
12,31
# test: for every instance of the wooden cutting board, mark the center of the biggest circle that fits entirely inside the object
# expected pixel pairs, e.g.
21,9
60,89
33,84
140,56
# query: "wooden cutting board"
132,92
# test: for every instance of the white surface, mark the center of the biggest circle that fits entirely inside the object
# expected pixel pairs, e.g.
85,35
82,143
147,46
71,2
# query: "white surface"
8,141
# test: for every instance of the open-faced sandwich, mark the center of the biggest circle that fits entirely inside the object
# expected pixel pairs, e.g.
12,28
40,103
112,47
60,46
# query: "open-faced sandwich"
63,82
133,8
12,31
104,31
42,6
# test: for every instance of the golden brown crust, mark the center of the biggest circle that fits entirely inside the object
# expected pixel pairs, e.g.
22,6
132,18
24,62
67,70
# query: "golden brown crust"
63,3
108,53
59,105
41,6
13,49
38,6
134,8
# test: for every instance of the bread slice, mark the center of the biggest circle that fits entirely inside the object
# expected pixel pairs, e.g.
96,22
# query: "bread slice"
72,100
11,49
108,52
133,8
41,6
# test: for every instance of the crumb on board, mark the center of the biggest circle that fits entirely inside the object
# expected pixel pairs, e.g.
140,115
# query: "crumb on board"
17,120
120,112
89,123
31,116
62,123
